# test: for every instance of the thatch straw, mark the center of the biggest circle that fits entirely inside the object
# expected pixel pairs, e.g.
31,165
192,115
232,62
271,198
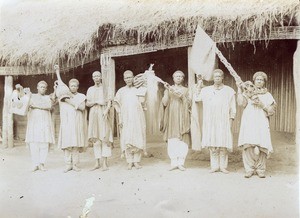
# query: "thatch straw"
40,33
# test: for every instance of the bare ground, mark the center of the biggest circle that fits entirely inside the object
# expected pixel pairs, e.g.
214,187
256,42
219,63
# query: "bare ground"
152,191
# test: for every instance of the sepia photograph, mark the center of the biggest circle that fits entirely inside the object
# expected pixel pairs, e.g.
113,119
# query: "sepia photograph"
149,108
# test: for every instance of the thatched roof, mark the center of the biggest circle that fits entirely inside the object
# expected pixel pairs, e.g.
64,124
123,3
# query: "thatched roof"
39,33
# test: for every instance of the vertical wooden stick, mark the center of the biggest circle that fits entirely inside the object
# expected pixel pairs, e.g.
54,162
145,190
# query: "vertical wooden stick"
191,74
296,73
109,80
7,124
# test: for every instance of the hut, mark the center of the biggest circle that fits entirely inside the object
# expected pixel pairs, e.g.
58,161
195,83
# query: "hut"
113,36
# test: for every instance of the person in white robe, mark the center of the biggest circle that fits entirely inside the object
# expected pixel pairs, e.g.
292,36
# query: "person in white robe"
99,130
73,126
132,121
175,121
254,135
219,109
196,114
40,129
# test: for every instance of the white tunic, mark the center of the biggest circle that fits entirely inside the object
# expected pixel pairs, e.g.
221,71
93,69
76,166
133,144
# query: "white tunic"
133,132
99,127
255,129
218,108
73,123
39,123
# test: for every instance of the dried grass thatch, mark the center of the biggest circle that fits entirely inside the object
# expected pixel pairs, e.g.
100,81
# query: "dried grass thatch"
39,33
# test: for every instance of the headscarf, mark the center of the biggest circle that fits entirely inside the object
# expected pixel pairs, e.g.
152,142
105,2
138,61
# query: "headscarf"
262,74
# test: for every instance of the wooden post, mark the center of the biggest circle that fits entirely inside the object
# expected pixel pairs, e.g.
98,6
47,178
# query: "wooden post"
7,123
296,73
191,74
109,80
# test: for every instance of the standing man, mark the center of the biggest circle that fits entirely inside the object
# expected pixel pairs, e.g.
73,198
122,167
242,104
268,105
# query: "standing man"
73,126
131,122
99,131
175,123
219,111
40,130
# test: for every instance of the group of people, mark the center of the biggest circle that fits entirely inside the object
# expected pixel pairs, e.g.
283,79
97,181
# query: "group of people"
201,117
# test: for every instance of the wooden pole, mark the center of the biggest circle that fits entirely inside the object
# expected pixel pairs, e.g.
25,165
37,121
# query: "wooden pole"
7,123
191,74
296,73
109,81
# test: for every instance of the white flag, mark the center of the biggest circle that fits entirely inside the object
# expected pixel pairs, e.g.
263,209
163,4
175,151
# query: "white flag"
203,54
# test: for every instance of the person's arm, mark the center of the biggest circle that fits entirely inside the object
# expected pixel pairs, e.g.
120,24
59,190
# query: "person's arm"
165,99
90,103
270,110
89,99
108,106
42,105
199,95
77,106
117,106
53,98
232,109
241,99
269,107
81,106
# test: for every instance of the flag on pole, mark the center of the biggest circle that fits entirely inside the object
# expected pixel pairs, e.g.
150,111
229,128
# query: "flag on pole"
203,54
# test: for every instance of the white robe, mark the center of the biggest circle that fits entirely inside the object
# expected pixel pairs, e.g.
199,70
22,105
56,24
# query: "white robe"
73,123
40,127
255,129
133,132
99,127
218,108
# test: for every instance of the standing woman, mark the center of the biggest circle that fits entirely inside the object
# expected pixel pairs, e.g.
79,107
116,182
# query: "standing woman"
254,137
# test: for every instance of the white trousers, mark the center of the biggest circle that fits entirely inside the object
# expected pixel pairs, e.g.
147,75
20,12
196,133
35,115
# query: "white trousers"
253,162
177,151
101,149
39,152
218,158
71,156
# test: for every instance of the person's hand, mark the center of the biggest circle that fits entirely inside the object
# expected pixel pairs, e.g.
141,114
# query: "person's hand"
167,85
145,153
239,84
56,67
121,125
230,121
105,112
178,93
99,103
26,90
258,103
199,83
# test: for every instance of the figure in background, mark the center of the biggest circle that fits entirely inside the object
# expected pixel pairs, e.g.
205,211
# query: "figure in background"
254,136
219,109
131,121
196,114
73,126
99,130
175,120
40,129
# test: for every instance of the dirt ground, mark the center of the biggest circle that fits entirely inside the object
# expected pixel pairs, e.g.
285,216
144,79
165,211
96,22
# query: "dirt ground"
152,191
